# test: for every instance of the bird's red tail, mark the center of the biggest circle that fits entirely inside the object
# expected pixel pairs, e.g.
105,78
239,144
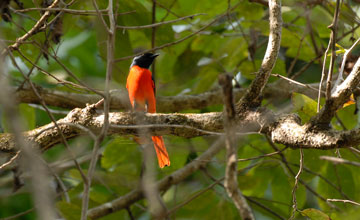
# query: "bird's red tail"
161,153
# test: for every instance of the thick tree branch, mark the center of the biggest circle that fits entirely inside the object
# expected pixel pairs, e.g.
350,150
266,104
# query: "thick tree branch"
251,98
281,89
339,96
121,123
285,129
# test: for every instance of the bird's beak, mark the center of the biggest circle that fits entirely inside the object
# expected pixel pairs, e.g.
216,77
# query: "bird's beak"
155,55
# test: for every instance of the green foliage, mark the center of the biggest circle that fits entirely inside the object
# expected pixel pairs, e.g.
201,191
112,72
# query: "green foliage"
304,106
347,117
69,211
314,214
117,152
15,204
235,43
340,175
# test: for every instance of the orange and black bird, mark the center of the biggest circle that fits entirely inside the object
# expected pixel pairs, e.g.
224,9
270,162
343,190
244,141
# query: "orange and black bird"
141,87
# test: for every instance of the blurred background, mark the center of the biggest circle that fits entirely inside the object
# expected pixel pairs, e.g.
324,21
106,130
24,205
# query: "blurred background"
221,37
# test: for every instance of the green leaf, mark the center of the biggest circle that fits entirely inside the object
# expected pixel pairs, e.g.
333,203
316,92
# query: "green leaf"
347,116
279,67
320,19
209,75
99,194
280,188
256,181
304,106
69,211
250,11
348,215
340,51
342,177
118,152
314,214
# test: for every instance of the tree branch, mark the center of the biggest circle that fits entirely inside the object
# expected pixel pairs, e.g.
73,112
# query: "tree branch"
339,96
231,183
33,30
284,129
251,98
109,69
337,160
281,89
157,24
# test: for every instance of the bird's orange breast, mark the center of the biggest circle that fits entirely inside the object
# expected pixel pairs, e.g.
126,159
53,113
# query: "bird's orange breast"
140,87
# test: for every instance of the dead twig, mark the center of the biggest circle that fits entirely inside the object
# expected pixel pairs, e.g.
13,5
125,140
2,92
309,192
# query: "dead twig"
344,201
337,160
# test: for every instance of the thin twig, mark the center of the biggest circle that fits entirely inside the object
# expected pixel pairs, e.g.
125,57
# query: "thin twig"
262,2
333,38
67,70
168,10
131,216
71,11
177,41
59,81
153,37
197,194
158,24
341,73
305,67
17,216
323,75
307,170
262,156
352,30
30,71
33,30
295,82
270,210
337,160
311,32
12,159
344,201
100,15
109,69
295,207
293,62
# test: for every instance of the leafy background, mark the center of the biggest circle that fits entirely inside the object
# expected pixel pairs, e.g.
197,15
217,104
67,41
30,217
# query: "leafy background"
234,44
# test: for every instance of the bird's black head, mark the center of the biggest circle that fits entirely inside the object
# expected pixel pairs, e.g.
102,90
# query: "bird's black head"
144,61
